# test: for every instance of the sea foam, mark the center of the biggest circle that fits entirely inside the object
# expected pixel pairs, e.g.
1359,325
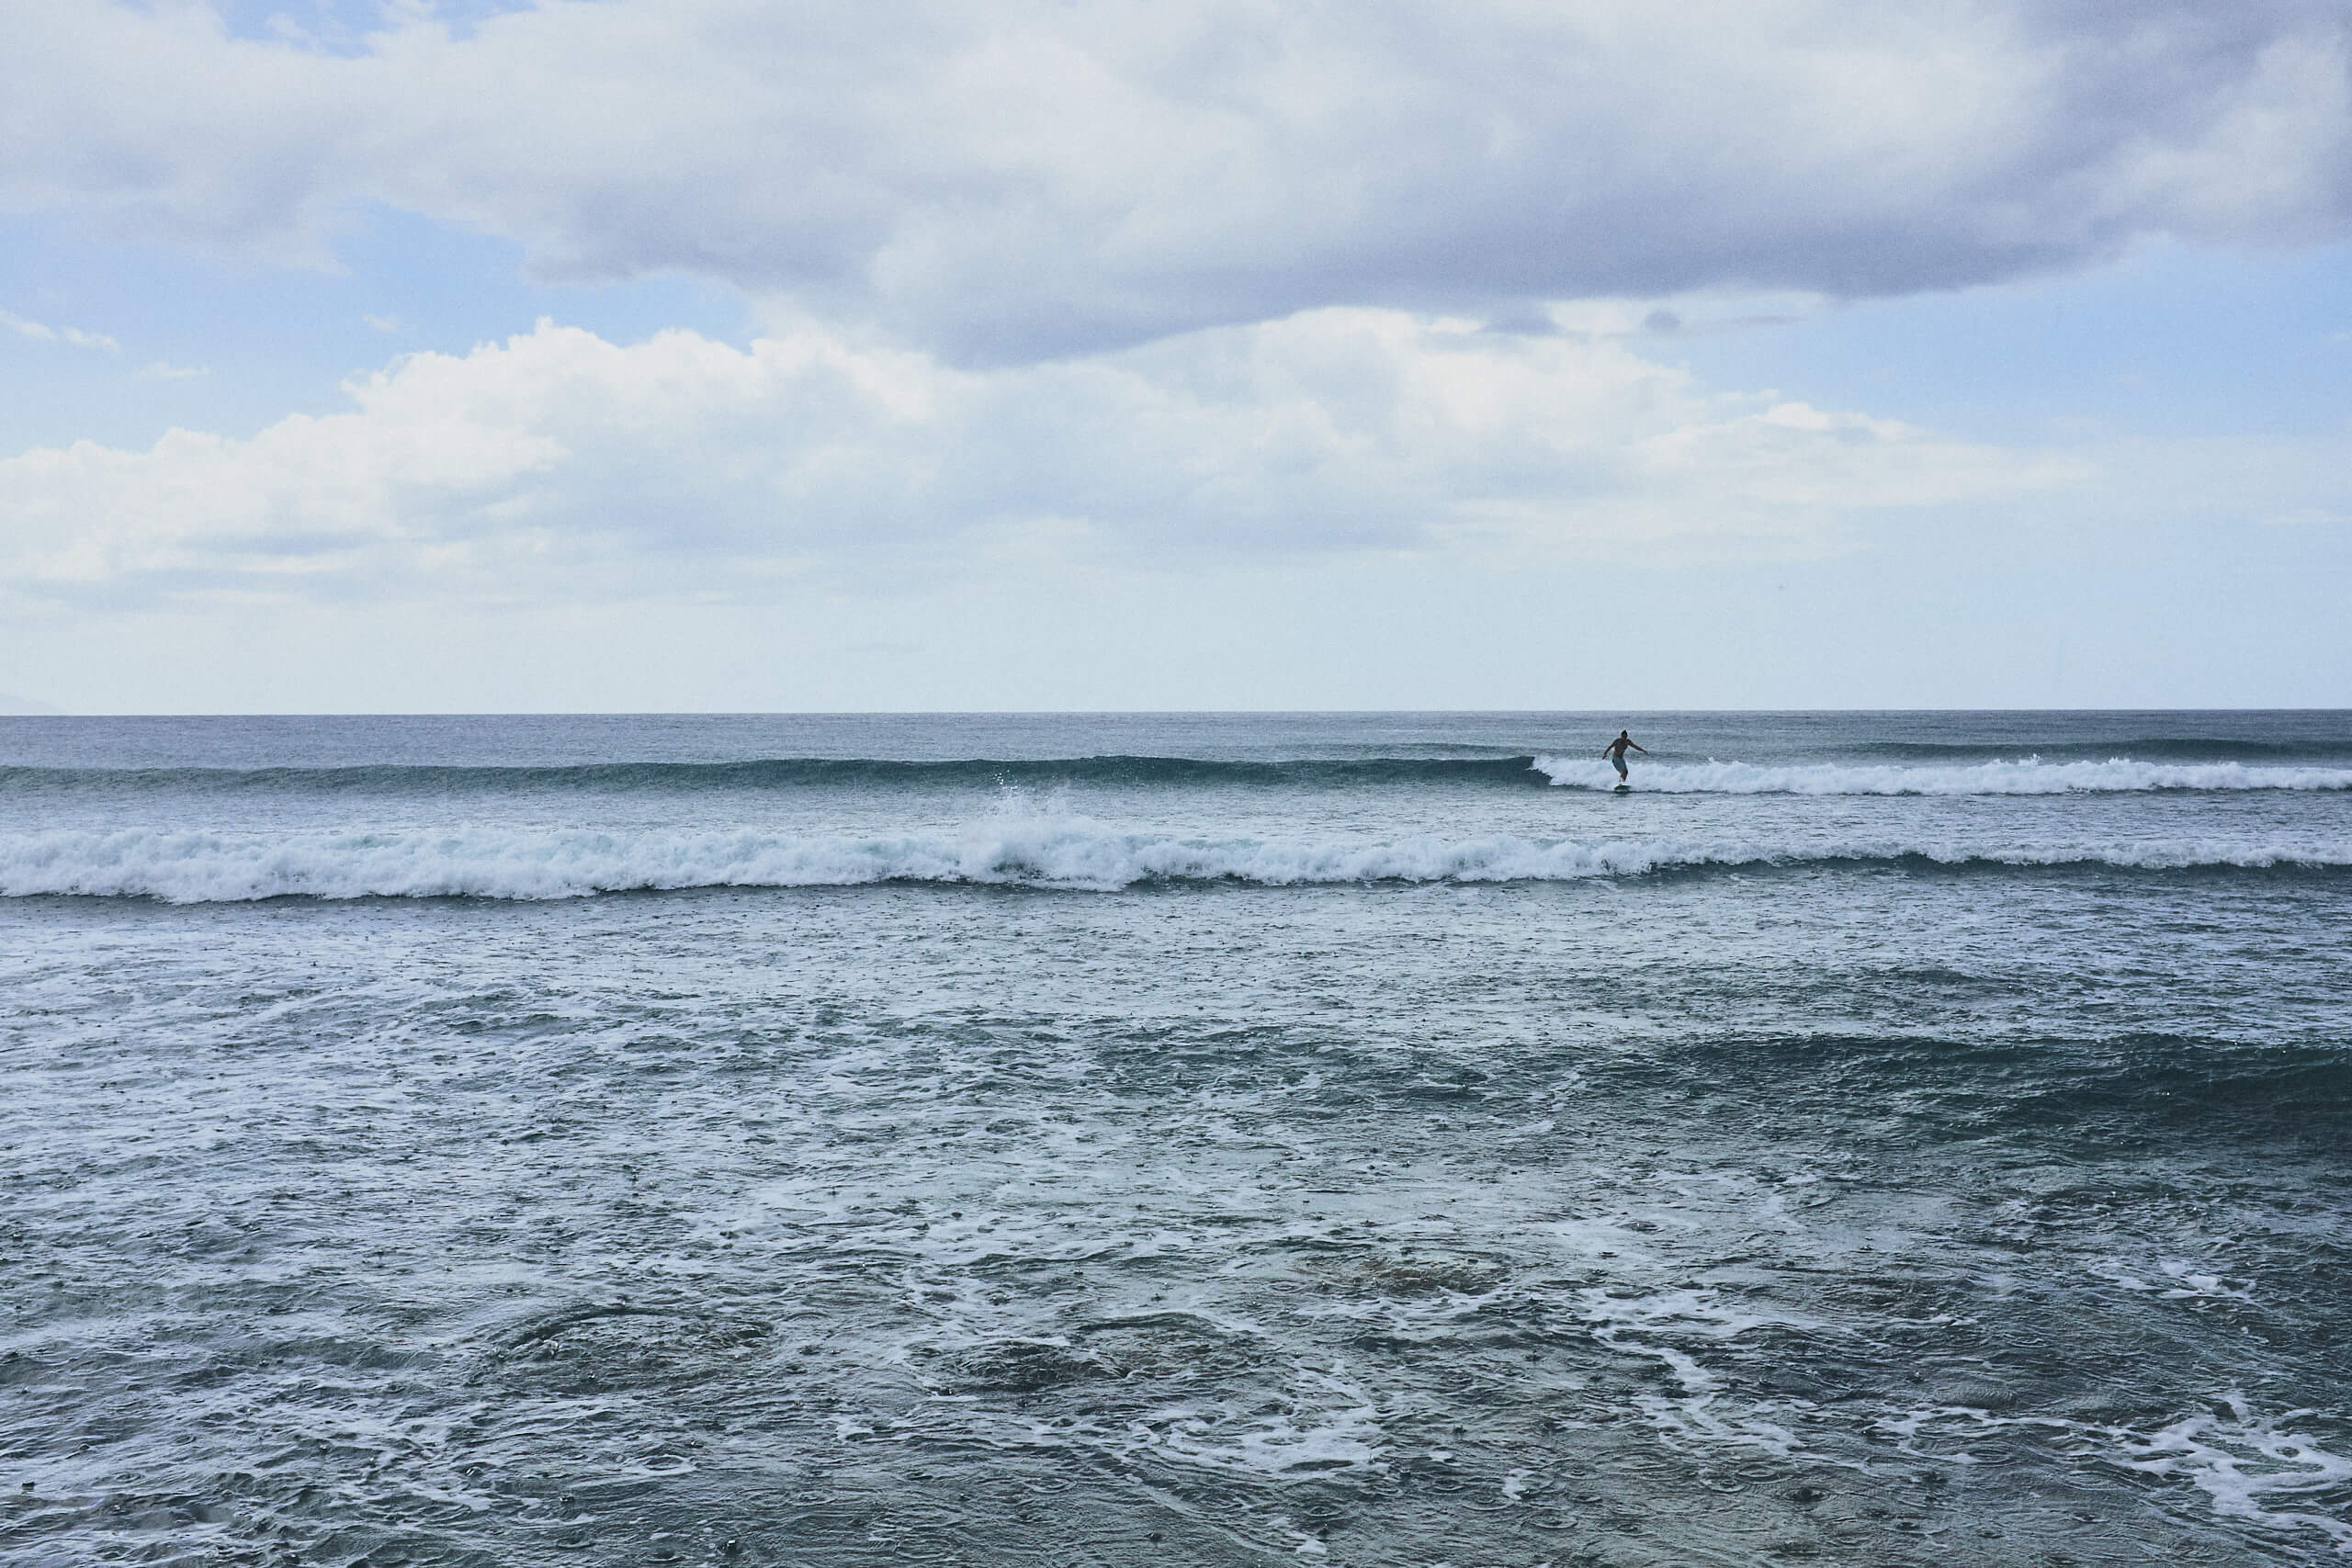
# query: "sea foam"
1064,852
2027,775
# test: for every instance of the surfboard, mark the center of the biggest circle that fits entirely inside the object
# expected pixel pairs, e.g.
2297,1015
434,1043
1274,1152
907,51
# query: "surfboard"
1623,789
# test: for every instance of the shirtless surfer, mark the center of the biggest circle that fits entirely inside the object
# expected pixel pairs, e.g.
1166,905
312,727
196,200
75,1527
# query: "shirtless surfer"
1615,752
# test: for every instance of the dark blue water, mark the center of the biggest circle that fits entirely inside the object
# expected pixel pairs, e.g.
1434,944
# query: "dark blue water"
1356,1139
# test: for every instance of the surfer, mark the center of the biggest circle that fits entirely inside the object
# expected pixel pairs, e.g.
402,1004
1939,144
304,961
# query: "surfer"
1615,752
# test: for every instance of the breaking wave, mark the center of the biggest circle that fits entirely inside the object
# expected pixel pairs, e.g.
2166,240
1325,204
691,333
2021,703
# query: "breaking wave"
2165,748
1070,854
2029,775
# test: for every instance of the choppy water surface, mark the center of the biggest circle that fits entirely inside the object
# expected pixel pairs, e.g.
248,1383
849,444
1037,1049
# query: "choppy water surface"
1886,1139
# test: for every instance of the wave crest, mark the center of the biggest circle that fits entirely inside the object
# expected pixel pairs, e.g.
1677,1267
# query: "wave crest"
793,772
1055,853
2027,775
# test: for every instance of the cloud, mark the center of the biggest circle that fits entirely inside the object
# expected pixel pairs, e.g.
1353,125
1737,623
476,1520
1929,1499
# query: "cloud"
560,462
1004,180
41,332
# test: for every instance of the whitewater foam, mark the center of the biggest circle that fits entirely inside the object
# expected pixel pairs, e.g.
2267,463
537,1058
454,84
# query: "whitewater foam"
2254,1467
2027,775
1054,852
2022,776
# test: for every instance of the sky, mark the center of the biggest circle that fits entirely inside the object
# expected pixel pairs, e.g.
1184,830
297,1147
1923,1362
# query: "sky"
730,356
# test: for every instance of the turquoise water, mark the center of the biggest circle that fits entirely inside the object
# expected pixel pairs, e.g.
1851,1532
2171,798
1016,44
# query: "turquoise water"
1356,1139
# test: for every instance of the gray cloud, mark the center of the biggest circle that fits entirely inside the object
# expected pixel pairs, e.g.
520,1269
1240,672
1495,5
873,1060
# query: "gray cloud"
1008,181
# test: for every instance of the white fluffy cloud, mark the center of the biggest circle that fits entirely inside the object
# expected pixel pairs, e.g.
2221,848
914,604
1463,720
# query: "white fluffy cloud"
41,331
560,462
1004,180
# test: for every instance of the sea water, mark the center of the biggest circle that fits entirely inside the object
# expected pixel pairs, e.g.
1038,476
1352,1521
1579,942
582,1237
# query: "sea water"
1907,1138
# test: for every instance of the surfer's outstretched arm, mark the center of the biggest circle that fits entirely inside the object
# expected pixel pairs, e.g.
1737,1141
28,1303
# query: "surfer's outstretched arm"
1643,749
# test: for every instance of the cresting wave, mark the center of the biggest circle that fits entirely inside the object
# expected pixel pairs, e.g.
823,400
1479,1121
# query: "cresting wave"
2029,775
2158,748
789,773
1055,853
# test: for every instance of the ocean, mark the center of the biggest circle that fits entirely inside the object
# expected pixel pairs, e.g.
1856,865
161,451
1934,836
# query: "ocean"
1344,1139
